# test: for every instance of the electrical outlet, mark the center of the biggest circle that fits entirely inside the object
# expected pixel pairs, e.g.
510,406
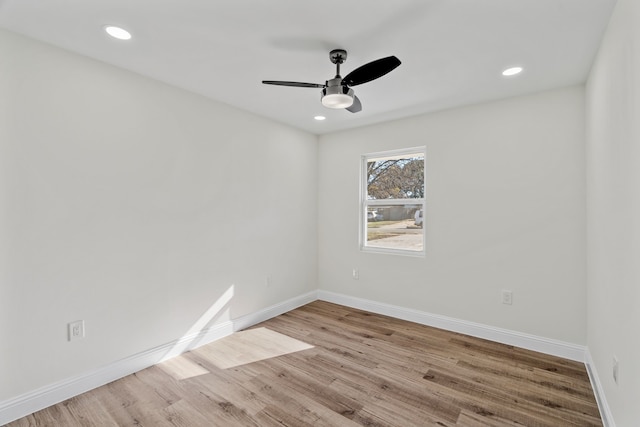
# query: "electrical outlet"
356,274
507,297
616,367
76,330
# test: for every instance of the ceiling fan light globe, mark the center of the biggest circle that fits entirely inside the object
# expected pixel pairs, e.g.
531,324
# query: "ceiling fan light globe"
337,97
337,100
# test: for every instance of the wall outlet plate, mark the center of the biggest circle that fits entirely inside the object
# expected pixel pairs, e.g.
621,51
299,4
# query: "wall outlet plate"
507,297
76,330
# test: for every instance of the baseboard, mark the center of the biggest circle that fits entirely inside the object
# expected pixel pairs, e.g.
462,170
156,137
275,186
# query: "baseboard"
273,311
603,406
531,342
41,398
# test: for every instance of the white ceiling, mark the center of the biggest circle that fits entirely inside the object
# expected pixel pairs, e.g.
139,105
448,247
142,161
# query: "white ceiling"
452,51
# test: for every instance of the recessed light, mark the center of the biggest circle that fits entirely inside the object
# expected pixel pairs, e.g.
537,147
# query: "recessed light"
117,32
512,71
319,118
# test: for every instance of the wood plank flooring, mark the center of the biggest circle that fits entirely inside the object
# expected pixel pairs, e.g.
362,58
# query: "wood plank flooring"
329,365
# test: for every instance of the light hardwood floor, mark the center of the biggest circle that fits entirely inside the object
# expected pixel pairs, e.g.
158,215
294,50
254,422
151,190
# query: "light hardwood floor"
329,365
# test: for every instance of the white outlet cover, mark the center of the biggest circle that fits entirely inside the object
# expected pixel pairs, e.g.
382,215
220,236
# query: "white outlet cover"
507,297
76,330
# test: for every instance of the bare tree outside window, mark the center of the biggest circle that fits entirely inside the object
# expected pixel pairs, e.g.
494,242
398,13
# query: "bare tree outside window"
396,178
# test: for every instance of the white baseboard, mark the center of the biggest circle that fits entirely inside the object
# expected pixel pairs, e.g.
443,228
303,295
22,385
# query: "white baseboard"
603,406
273,311
41,398
531,342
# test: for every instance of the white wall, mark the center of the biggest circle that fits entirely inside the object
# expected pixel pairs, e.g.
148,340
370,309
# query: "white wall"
505,210
613,211
135,206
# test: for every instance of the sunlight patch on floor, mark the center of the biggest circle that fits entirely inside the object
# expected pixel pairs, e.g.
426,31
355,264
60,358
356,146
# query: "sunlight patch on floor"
250,346
182,368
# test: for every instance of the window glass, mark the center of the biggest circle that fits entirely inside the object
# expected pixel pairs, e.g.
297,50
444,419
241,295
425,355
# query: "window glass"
393,202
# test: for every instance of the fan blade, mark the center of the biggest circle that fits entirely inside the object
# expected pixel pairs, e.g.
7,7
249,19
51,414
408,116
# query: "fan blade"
371,71
294,84
356,106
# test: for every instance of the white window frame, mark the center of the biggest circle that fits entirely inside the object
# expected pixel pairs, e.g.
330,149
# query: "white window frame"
365,204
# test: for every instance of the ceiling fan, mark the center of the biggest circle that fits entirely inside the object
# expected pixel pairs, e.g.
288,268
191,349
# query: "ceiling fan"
337,92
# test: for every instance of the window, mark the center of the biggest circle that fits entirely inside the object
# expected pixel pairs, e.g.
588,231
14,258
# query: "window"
392,205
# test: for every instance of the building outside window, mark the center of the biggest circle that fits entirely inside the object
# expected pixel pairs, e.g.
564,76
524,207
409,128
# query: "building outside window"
392,214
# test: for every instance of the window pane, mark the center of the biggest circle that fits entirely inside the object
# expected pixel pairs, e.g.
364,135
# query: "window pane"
395,227
398,177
